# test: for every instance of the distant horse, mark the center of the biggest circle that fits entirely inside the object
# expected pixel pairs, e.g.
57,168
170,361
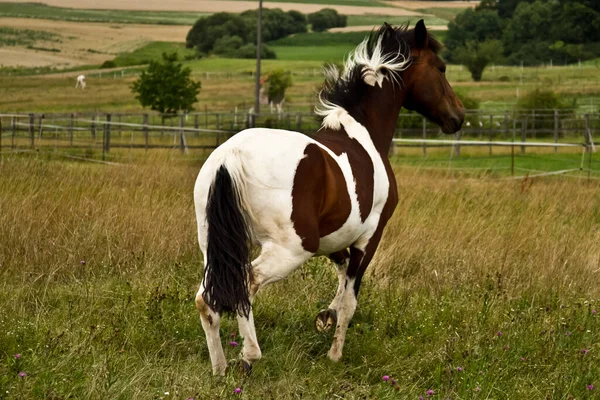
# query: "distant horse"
299,196
80,82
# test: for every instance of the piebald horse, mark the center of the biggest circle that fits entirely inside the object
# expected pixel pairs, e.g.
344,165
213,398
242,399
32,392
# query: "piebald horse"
298,196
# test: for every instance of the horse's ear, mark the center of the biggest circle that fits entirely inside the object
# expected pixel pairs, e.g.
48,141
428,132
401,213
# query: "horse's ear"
421,34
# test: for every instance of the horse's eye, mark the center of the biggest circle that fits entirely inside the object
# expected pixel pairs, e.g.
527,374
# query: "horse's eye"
443,69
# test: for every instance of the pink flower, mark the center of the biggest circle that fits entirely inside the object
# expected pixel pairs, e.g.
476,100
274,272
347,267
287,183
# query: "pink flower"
385,378
18,355
522,358
499,333
22,374
590,387
237,390
234,344
477,389
459,369
594,312
430,392
82,262
233,335
585,351
393,382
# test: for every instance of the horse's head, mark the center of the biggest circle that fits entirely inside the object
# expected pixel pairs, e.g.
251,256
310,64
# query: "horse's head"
424,81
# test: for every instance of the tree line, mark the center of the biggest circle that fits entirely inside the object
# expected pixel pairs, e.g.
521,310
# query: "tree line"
527,32
234,35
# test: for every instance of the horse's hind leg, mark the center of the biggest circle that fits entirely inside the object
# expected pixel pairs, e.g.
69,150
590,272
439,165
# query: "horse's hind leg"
211,322
328,317
273,264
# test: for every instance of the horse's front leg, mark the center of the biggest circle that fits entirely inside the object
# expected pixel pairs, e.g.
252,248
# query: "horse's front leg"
327,318
360,257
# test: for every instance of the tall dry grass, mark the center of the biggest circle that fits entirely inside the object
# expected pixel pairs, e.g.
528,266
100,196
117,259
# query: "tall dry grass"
461,260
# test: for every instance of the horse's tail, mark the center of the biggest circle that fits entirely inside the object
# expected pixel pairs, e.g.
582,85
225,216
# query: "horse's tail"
228,272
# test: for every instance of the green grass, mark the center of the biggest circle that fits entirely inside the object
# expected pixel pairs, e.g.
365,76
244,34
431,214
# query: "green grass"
37,10
152,52
447,14
361,3
376,20
25,37
322,53
492,277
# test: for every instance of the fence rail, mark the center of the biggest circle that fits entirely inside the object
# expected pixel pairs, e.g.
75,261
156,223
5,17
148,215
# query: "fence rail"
207,130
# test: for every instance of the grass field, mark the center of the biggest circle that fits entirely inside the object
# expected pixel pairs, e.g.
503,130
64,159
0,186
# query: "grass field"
480,289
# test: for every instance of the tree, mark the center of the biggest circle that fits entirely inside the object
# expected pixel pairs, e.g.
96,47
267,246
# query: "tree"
279,80
478,55
472,26
325,19
165,86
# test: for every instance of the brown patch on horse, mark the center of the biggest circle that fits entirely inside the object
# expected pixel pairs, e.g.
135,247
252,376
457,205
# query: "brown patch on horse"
360,162
320,199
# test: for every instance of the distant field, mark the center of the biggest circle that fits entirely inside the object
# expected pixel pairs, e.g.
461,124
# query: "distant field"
42,11
375,20
84,43
152,51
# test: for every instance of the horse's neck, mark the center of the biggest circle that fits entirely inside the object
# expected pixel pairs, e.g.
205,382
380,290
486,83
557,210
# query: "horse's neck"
381,111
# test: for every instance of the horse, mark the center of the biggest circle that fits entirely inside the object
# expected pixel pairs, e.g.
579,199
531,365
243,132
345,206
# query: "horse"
297,196
80,82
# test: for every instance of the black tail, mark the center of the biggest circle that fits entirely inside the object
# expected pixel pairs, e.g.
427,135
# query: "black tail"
227,272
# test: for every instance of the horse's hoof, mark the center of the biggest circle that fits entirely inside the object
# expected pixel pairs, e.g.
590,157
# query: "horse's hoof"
325,320
246,368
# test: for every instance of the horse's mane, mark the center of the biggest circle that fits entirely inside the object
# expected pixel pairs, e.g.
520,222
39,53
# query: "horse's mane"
383,54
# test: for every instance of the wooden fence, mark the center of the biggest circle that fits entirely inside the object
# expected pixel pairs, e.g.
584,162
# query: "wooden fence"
207,130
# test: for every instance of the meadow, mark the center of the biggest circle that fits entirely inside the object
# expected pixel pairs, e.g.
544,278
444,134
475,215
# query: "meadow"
482,288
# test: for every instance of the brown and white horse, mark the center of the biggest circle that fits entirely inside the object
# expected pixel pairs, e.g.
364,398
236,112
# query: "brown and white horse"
298,196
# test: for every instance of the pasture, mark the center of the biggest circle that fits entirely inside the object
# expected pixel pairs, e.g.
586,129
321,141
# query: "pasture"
472,295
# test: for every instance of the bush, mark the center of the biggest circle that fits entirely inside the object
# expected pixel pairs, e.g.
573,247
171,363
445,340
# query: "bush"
478,55
325,19
108,64
542,99
249,51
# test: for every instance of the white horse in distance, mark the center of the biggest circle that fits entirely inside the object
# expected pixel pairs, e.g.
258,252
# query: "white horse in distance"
80,82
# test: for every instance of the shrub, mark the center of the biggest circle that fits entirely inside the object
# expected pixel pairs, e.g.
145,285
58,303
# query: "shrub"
108,64
325,19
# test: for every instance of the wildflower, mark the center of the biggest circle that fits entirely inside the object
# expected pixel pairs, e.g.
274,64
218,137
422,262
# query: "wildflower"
594,312
237,390
568,333
166,393
499,333
385,378
480,372
234,344
522,358
82,262
420,397
190,398
477,389
585,351
18,355
590,387
233,335
459,369
430,392
505,348
23,374
394,382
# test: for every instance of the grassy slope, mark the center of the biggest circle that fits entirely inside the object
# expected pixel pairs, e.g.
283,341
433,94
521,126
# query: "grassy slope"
152,52
456,267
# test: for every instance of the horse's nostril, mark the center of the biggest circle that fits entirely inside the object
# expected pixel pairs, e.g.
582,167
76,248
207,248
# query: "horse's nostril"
457,122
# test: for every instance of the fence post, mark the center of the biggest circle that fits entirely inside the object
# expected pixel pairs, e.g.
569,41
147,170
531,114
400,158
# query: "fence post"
13,122
491,131
299,122
218,124
107,140
424,137
533,124
119,120
196,133
523,133
32,129
145,129
505,124
40,122
181,138
587,134
71,130
94,127
555,130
